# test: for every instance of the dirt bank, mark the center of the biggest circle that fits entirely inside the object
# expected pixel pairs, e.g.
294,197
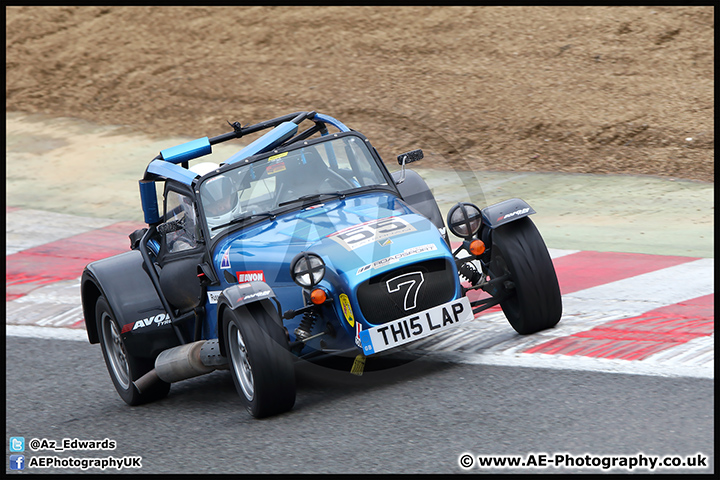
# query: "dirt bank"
582,89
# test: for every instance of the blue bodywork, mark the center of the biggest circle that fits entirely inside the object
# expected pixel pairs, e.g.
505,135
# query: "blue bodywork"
269,247
301,243
262,250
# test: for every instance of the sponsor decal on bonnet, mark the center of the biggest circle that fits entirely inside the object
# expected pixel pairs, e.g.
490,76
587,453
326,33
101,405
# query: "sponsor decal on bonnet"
397,257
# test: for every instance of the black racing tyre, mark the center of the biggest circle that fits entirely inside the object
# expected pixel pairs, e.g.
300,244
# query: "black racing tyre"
124,368
535,302
261,364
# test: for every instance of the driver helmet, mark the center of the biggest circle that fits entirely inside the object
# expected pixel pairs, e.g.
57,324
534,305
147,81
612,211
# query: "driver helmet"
220,199
203,168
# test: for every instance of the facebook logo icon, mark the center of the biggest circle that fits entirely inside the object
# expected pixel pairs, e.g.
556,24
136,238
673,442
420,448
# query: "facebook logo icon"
17,444
17,462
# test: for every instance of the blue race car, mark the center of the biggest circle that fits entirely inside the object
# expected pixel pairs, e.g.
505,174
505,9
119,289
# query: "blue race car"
299,246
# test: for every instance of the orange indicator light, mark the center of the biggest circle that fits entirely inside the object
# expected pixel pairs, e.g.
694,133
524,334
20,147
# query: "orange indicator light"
477,247
318,296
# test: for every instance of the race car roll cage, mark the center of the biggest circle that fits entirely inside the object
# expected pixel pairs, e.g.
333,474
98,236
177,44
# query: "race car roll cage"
172,164
283,132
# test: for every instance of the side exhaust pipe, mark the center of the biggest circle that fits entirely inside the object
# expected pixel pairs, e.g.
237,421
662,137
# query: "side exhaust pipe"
183,362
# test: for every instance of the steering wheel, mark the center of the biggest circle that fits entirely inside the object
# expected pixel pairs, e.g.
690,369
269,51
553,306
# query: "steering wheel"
335,181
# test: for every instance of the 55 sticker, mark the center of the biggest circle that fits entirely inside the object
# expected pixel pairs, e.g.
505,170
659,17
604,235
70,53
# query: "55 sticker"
375,230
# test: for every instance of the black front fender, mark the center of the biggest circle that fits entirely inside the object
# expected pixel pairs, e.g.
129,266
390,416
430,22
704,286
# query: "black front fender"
505,212
244,297
244,293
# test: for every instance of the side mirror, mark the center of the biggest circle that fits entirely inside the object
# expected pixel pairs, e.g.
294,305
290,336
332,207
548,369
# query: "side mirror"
409,157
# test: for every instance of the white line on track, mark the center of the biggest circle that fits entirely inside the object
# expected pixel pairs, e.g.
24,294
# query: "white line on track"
27,228
639,294
488,340
52,333
563,362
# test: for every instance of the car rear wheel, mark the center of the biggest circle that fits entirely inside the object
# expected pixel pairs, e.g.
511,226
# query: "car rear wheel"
124,368
260,362
533,300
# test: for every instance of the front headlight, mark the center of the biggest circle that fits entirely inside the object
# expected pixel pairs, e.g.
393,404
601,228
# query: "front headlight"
307,269
464,220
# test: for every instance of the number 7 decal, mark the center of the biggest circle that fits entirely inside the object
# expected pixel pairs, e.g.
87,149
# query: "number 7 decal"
411,281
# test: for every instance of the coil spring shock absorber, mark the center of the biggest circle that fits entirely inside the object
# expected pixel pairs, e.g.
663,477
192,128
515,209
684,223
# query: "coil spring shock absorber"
306,324
470,273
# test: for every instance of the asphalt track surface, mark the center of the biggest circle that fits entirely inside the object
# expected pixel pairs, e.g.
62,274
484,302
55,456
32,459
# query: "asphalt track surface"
418,417
629,370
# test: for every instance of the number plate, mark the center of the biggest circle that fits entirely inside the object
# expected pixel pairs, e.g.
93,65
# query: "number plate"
416,326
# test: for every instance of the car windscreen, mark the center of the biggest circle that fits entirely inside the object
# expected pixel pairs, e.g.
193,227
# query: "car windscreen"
269,184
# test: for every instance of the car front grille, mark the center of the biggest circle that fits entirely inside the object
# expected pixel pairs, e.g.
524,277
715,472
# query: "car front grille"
406,290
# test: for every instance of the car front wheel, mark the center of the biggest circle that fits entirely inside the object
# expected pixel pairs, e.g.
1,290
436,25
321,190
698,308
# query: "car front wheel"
533,301
260,361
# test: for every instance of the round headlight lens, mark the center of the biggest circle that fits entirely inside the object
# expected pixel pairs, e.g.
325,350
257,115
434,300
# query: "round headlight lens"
307,269
464,220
